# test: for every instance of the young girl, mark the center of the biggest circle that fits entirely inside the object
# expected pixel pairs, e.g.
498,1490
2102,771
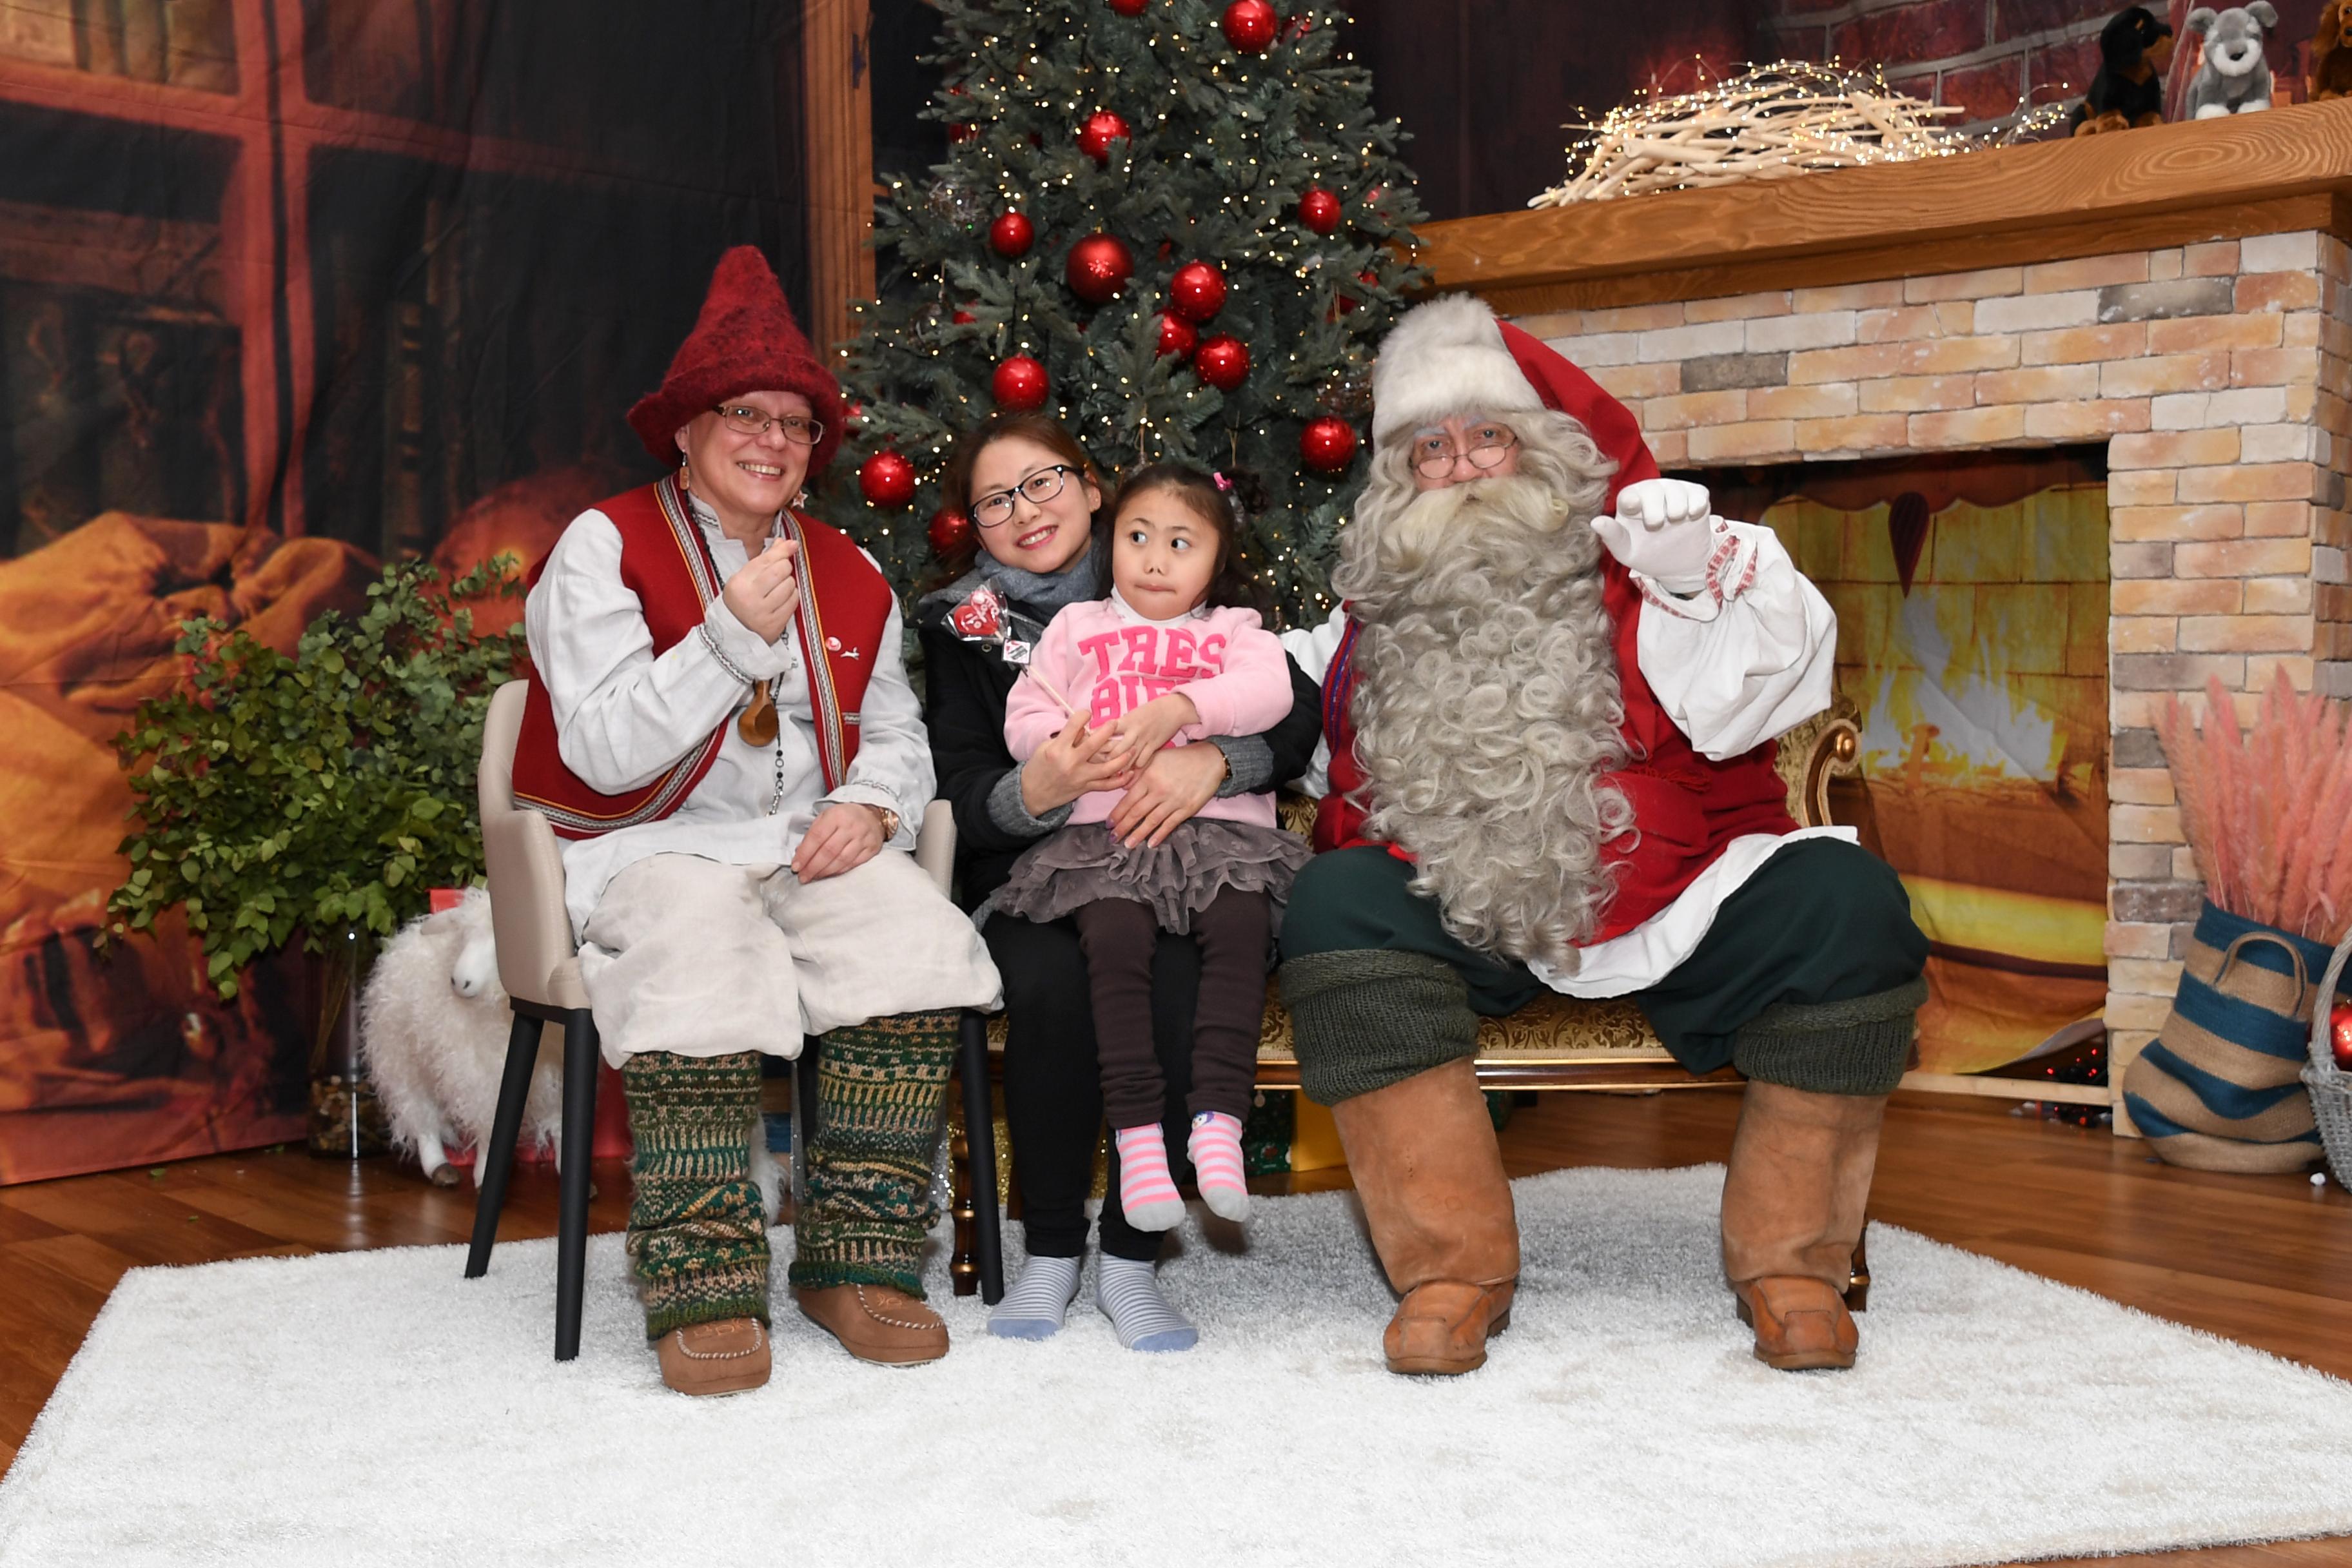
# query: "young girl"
1172,656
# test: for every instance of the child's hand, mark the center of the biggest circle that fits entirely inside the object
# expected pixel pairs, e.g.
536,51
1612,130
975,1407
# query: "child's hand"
1073,762
1146,729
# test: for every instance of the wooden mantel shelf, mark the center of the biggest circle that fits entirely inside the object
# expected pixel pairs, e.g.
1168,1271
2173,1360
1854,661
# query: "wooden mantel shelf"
2284,169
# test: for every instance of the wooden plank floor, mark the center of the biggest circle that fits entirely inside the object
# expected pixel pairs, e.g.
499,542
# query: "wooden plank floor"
2264,1260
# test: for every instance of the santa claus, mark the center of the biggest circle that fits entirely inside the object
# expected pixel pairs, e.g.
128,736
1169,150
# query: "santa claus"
1550,702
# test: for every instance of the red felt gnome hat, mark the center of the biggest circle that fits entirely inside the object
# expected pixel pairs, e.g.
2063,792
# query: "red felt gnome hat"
745,340
1453,356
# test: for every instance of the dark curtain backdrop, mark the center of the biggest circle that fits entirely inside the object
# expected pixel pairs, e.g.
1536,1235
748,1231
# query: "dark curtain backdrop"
288,287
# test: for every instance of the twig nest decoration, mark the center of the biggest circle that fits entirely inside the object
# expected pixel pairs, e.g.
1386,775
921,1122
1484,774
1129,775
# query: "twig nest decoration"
1768,123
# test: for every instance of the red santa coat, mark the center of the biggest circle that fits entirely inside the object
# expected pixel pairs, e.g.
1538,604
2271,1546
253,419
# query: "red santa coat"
1687,807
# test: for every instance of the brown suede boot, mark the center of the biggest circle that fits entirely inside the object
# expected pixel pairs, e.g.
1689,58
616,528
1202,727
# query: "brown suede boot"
1425,1161
726,1355
1792,1217
878,1324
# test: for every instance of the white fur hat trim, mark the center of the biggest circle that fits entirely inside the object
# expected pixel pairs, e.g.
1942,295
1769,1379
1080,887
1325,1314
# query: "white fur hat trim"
1444,358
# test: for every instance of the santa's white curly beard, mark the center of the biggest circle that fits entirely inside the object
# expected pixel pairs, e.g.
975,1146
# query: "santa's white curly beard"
1487,708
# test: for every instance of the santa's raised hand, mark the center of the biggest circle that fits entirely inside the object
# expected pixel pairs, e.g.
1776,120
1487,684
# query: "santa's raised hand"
1662,530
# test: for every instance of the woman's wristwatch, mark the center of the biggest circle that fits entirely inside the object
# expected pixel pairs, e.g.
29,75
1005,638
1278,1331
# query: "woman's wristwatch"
889,820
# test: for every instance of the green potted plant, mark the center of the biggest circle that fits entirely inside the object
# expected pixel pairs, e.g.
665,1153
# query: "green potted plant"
320,795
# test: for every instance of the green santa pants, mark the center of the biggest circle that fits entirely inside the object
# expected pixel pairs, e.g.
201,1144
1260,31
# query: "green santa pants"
1809,977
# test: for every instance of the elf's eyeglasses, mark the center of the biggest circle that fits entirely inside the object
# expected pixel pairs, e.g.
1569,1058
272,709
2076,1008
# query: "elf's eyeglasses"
744,420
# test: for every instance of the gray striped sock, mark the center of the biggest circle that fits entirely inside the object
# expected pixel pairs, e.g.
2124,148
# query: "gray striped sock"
1033,1309
1128,1291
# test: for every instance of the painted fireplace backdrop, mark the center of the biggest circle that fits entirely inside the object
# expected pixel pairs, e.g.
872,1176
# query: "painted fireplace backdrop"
288,287
1971,597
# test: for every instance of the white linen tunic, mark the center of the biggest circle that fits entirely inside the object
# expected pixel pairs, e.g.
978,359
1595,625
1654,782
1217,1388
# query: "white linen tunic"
623,715
1731,674
696,938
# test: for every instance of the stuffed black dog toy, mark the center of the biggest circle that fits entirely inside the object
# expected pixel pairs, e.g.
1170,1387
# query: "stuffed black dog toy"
2135,48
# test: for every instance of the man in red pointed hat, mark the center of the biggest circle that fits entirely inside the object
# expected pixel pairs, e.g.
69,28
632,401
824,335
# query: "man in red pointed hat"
721,727
1550,705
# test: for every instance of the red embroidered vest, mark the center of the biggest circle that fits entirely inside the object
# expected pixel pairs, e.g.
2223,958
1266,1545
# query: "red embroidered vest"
1686,807
844,606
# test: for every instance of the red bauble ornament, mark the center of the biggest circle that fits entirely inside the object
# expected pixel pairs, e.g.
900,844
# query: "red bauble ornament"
1199,290
1176,336
1319,209
1348,303
1019,383
1326,445
950,531
1102,129
2339,1034
1222,362
1250,26
1098,268
887,480
1011,235
1130,7
963,317
957,132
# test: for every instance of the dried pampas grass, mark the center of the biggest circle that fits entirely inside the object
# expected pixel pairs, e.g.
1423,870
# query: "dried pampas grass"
2268,810
1770,123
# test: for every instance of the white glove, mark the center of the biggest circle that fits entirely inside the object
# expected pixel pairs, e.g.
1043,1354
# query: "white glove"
1662,530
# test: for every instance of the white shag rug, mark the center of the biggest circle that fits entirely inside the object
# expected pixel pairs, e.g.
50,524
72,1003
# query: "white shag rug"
374,1407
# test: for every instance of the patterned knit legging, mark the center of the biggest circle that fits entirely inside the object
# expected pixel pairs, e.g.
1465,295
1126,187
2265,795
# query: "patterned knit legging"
698,1242
881,1086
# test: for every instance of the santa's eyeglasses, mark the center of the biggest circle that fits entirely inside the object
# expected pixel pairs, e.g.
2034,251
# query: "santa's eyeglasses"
1434,457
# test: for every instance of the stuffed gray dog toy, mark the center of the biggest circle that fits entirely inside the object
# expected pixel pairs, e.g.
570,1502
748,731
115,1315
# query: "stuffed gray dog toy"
2234,78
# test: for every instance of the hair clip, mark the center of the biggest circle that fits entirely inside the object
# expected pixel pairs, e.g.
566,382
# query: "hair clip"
1223,483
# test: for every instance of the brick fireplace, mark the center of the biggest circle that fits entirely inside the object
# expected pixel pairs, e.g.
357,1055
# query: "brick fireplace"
2207,347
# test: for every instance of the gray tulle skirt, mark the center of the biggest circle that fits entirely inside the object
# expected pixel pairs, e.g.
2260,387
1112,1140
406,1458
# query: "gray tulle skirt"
1202,858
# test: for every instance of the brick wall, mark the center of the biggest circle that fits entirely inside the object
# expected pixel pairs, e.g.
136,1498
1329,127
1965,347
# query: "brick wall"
2217,375
1984,54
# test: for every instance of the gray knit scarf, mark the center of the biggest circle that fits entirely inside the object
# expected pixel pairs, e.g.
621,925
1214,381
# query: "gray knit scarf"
1031,598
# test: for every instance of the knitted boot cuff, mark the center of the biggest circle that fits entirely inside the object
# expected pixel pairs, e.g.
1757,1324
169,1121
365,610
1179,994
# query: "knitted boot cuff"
1365,1020
1859,1046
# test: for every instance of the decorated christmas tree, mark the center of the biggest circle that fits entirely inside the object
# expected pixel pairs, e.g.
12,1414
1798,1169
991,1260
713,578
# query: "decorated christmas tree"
1173,224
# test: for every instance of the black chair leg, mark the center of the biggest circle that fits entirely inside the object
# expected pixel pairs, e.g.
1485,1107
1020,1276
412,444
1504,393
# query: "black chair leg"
979,1140
805,1119
498,1160
579,1144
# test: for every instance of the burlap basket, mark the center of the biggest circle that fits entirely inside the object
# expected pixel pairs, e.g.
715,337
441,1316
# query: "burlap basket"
2220,1087
2330,1085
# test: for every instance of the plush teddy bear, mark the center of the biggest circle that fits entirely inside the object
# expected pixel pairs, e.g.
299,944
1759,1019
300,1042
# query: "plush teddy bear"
2135,48
2331,61
2235,77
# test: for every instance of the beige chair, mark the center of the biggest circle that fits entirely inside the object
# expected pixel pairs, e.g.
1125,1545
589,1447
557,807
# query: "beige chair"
538,964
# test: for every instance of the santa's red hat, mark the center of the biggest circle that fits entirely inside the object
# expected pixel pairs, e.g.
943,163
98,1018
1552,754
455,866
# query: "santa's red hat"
1453,356
744,340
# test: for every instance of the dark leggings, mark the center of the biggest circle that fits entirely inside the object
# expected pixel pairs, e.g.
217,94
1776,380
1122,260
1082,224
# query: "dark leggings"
1119,937
1053,1082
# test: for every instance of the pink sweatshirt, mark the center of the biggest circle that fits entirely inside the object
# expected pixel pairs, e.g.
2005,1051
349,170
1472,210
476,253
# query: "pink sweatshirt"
1111,660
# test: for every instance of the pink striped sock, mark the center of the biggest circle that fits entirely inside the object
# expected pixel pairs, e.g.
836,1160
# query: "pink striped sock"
1216,1150
1147,1192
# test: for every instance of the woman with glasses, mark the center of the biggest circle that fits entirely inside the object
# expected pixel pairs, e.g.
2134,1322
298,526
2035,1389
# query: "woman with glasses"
721,727
1033,495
